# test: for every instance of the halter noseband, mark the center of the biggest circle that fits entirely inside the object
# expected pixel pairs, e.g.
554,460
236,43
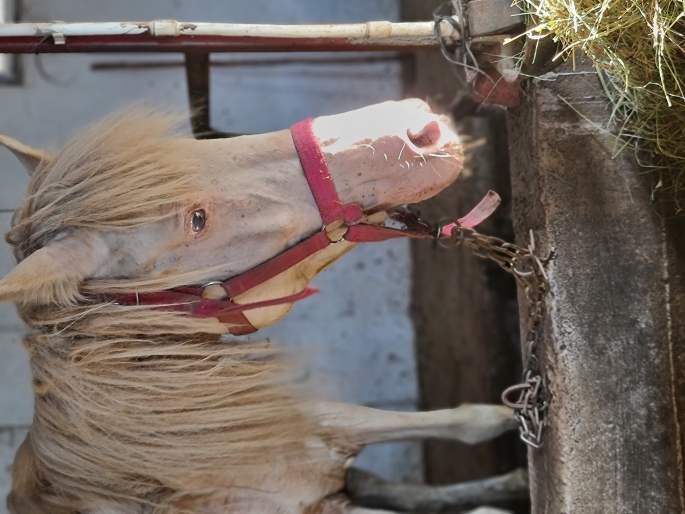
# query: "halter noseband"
334,215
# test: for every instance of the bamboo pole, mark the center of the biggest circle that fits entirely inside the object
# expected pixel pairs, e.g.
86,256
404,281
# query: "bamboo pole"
174,36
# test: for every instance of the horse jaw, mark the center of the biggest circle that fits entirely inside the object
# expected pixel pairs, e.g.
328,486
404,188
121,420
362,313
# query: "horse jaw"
289,282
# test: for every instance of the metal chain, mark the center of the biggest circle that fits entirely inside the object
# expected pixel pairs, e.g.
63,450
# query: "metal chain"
530,407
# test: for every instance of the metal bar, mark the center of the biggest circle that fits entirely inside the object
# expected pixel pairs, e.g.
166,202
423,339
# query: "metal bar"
215,44
197,75
250,63
172,36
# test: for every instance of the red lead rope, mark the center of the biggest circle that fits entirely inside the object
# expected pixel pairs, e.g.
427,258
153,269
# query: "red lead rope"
334,215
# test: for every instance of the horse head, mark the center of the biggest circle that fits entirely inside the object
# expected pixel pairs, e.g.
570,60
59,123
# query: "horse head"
128,208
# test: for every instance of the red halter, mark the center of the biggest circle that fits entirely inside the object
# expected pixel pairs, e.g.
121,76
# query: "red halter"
334,214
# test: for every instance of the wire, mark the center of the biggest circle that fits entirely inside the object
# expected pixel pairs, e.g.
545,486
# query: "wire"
468,59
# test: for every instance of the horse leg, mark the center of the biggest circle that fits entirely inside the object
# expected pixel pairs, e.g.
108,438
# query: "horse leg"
340,504
371,491
470,424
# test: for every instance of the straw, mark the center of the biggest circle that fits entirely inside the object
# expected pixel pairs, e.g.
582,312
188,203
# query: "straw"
638,47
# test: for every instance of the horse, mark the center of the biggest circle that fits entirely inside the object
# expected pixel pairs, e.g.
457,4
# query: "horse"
142,252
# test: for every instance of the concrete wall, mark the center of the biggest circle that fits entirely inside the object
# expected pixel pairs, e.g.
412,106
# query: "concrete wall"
613,339
357,330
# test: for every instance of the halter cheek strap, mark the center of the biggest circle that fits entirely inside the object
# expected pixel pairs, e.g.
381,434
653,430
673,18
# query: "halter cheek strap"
333,212
334,215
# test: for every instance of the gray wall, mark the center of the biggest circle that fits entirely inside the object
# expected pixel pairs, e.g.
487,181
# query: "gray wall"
357,331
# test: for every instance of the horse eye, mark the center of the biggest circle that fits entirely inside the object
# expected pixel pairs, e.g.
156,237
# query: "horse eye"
197,220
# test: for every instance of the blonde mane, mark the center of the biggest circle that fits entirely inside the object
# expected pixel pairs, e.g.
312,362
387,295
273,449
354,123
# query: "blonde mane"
134,404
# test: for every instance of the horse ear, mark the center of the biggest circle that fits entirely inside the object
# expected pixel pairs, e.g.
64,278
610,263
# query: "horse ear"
54,273
29,157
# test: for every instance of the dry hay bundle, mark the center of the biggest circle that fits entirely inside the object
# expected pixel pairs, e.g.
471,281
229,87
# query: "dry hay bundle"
639,48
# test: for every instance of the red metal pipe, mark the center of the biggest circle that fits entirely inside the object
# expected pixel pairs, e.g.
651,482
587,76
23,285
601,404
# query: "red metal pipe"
183,43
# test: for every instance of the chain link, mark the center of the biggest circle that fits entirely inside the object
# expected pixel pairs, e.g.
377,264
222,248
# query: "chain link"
530,407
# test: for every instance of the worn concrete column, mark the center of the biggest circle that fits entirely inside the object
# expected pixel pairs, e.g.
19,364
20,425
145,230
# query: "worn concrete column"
614,339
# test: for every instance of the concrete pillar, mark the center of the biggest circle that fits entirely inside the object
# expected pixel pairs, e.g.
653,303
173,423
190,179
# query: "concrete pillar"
613,348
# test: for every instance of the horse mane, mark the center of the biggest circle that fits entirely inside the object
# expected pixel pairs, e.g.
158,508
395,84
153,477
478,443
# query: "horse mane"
134,404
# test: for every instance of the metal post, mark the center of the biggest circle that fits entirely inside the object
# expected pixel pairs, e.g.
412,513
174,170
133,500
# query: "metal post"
197,75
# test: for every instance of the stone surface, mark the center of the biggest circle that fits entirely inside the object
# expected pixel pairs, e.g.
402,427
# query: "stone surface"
613,338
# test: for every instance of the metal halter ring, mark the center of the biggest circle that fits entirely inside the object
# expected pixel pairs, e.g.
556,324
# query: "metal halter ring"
323,229
212,283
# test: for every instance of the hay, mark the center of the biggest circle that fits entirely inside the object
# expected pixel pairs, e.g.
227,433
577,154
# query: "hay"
638,46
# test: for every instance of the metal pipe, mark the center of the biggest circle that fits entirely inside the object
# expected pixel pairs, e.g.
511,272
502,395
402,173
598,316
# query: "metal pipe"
173,36
251,63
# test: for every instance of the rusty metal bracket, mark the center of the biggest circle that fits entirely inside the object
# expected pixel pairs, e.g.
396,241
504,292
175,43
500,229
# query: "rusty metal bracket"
491,17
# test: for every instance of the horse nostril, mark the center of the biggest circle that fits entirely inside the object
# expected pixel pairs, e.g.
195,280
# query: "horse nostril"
427,137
